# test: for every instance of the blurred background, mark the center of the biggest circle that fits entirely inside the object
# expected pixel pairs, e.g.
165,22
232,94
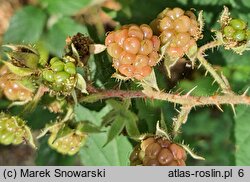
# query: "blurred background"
220,137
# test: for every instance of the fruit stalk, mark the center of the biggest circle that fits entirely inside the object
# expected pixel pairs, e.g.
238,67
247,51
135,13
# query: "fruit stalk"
180,119
200,56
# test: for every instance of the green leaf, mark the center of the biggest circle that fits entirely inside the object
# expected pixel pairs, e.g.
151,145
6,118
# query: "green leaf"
132,128
108,118
115,129
63,7
26,26
57,34
118,106
126,10
111,13
148,115
131,124
204,85
121,117
84,114
232,58
116,153
210,2
242,135
88,127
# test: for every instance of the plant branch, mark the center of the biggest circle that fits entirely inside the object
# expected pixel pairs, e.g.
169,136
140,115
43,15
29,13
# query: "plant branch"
200,56
185,100
192,101
180,119
105,94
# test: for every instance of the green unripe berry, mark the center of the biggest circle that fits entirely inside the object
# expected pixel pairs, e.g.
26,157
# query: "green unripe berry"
17,140
239,35
20,132
57,87
53,60
7,138
70,68
1,128
13,130
48,75
238,24
57,66
228,31
61,76
2,124
10,125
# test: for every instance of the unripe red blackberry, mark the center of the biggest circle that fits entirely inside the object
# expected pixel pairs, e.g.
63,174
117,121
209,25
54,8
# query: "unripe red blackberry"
13,130
66,140
179,29
158,151
134,50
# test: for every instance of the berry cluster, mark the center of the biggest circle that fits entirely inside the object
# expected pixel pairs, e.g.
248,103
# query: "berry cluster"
158,152
134,50
66,140
236,30
179,29
11,86
12,130
60,75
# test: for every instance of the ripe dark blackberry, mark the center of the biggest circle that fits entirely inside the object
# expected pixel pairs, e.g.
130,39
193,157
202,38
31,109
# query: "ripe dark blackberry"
134,50
179,29
158,151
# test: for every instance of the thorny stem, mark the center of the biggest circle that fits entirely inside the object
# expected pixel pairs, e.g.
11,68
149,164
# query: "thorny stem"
180,119
185,100
200,56
105,94
192,101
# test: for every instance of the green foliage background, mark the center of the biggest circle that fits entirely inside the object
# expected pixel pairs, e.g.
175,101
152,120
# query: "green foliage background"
221,138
